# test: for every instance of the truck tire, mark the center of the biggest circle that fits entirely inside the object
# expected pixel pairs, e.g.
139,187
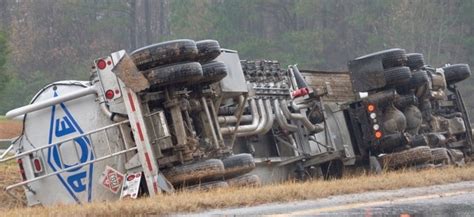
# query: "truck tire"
440,156
238,164
195,172
456,73
164,53
418,79
415,61
207,50
413,156
456,157
395,57
208,186
213,72
244,181
185,73
397,76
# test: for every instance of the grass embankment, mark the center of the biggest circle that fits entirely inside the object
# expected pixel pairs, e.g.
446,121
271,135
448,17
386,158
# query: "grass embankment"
9,128
233,197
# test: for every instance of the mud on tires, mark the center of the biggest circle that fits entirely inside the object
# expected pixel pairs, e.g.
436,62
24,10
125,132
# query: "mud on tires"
413,156
456,73
238,164
456,157
185,73
213,72
397,76
195,172
208,186
418,79
245,180
440,156
208,50
164,53
415,61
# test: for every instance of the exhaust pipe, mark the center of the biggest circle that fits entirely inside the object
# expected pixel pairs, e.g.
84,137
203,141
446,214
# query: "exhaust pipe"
245,128
231,119
268,126
282,121
261,124
297,116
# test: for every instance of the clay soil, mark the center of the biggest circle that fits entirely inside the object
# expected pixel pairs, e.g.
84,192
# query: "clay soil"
9,129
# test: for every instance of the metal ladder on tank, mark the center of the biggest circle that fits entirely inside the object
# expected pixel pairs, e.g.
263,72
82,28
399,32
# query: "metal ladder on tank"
40,150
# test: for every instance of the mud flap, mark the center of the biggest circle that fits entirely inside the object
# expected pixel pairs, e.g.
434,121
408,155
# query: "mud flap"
164,184
375,165
128,72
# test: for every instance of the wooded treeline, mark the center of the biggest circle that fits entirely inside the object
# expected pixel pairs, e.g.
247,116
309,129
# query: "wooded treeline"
49,40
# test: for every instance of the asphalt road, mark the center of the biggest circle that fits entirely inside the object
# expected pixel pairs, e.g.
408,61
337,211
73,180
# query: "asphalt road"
442,200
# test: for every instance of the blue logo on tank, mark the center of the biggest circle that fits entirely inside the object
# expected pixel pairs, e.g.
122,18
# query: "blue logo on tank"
77,180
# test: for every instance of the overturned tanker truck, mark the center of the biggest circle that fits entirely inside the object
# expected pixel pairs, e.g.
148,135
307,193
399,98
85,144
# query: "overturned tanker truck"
185,114
145,123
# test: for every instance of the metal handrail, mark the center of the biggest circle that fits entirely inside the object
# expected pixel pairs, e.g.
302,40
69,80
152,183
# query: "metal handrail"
6,152
49,102
10,187
62,141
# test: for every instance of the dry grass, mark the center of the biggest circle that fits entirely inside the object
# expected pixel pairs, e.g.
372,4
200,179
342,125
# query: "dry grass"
9,174
220,198
9,128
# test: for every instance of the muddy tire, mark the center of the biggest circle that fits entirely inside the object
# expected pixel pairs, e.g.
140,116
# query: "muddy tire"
395,57
415,61
213,72
456,73
185,73
207,50
164,53
208,186
397,76
456,157
413,156
440,156
244,181
238,164
205,170
418,79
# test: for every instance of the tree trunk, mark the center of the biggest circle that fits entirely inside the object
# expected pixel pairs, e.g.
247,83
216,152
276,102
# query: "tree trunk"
147,22
132,25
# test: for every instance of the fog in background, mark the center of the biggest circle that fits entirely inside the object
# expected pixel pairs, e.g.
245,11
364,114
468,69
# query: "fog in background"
49,40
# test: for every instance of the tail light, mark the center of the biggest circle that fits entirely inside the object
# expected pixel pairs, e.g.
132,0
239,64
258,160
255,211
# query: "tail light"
109,94
101,64
378,134
370,107
37,165
22,169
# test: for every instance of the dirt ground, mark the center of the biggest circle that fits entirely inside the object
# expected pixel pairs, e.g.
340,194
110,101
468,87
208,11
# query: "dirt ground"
9,129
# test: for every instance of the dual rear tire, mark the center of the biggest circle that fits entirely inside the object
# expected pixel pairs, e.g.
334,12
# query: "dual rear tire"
182,62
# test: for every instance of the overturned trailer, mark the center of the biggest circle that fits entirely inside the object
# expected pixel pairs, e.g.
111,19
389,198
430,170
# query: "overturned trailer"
145,123
185,114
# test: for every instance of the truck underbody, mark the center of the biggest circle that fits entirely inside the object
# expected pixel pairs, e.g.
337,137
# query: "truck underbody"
185,114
